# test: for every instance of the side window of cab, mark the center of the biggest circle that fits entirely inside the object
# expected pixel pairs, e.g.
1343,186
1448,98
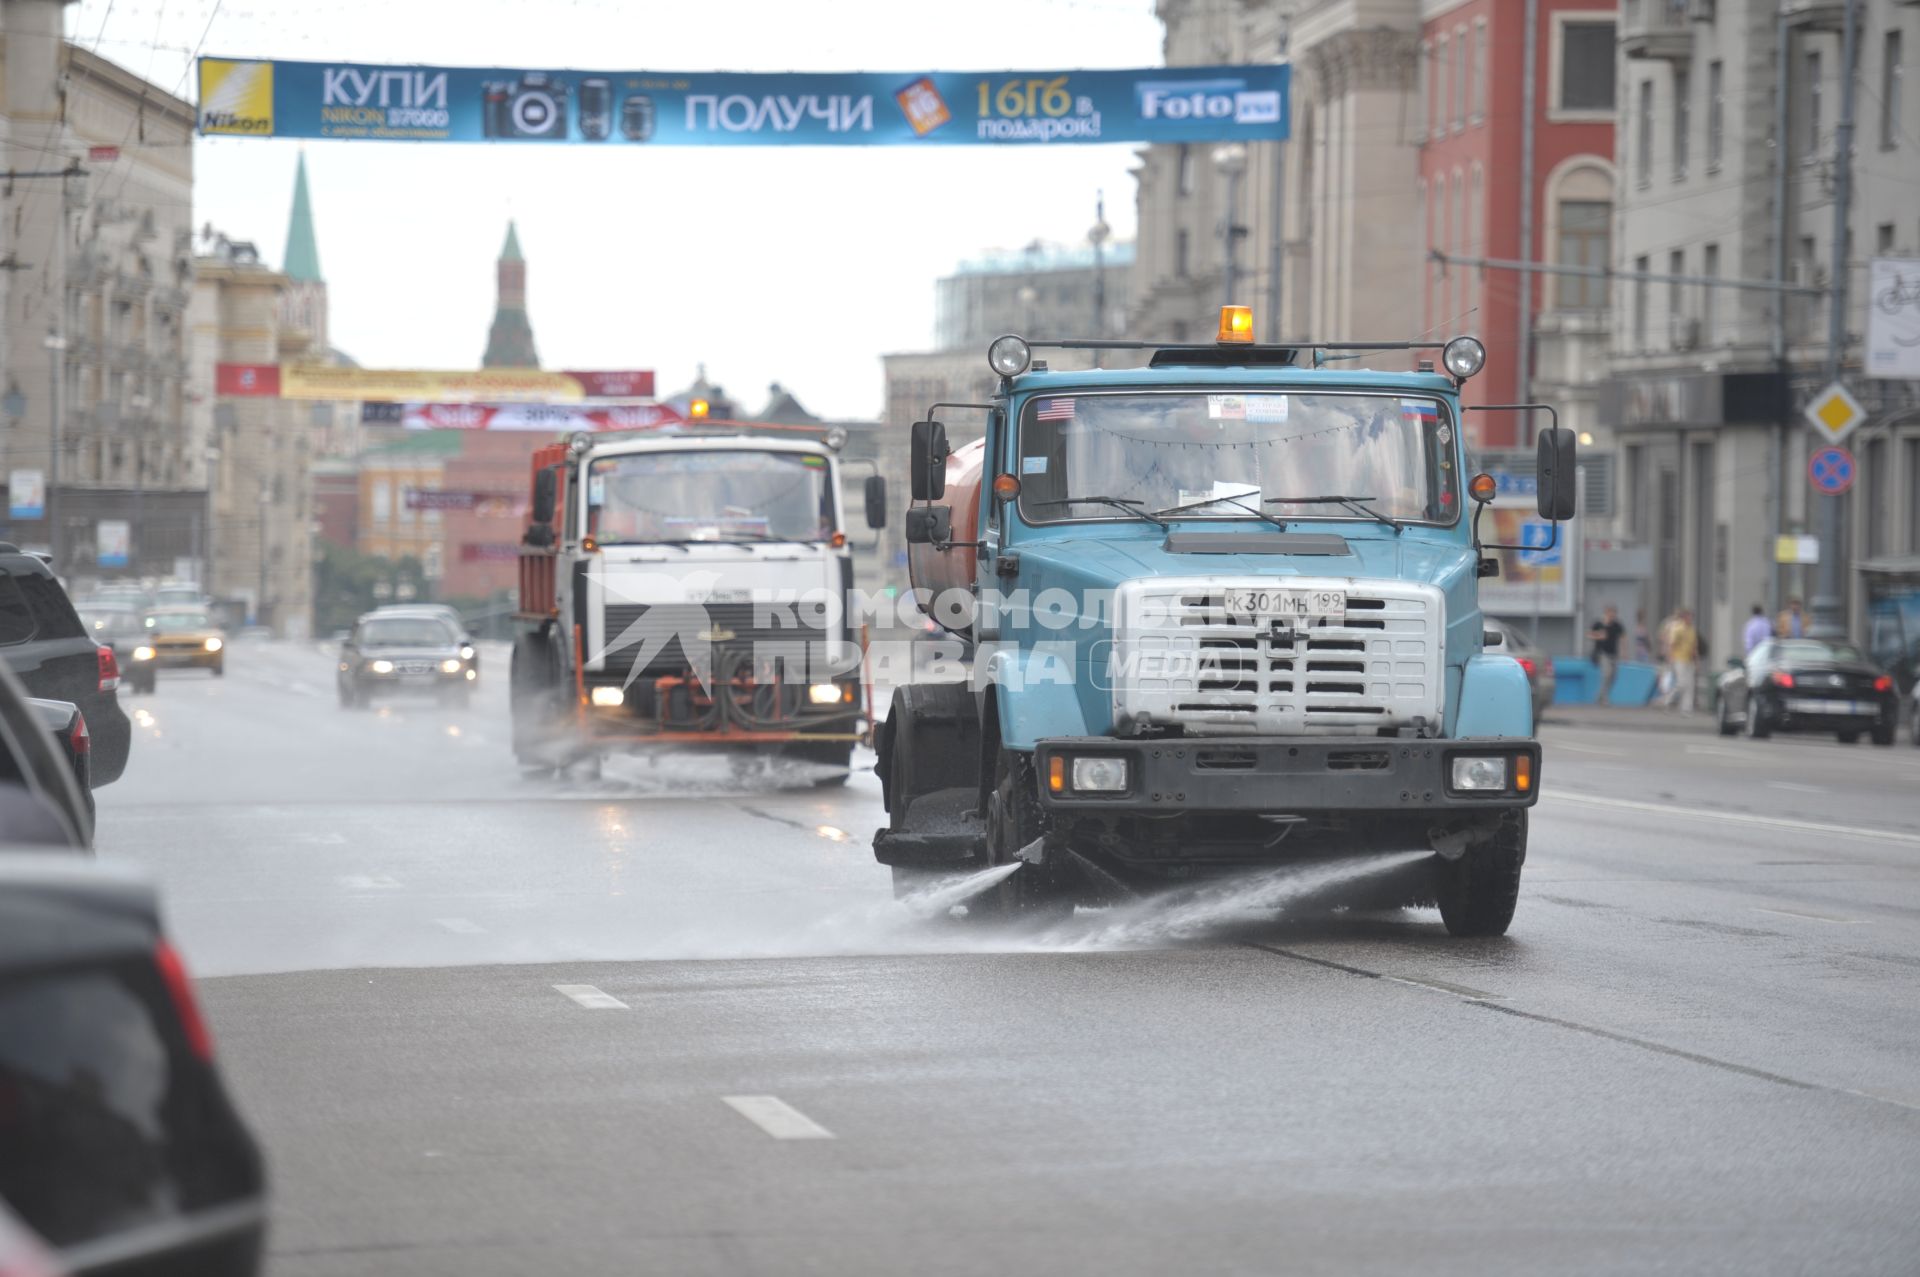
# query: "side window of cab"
16,614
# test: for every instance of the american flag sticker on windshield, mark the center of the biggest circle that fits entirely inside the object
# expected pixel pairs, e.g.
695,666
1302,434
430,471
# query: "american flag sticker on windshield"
1055,410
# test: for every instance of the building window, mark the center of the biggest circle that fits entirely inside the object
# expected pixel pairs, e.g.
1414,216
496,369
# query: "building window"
1813,101
1643,136
1462,78
1682,120
1186,172
1477,71
1642,267
1586,66
1443,87
1913,495
1181,248
1716,113
1709,294
1476,239
1883,238
1891,73
1422,88
1676,312
1879,497
1580,220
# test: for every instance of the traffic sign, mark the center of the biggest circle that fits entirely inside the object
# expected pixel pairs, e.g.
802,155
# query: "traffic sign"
1831,470
1834,413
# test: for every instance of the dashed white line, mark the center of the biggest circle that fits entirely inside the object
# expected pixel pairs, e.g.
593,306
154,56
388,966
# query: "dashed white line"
461,926
777,1117
1739,818
1794,786
1813,917
1718,752
1587,749
591,998
370,882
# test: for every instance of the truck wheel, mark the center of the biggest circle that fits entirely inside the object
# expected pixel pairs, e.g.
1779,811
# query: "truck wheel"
1883,733
532,680
1848,738
1478,891
1013,821
1758,726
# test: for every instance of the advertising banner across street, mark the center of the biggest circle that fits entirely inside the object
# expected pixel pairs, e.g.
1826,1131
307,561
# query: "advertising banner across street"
249,98
415,385
550,418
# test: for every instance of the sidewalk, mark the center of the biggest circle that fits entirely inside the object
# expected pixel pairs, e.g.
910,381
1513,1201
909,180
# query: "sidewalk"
1630,718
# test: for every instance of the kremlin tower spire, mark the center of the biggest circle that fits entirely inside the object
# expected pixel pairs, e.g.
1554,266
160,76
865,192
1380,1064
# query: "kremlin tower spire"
510,341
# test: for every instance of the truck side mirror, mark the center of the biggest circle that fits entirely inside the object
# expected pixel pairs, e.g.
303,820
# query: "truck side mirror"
545,492
929,525
927,454
1555,467
876,501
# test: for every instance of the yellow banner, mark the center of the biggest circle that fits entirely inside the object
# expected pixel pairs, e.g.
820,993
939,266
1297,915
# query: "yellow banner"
412,385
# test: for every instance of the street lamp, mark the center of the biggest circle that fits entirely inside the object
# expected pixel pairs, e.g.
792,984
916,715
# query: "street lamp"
1231,160
56,345
1098,235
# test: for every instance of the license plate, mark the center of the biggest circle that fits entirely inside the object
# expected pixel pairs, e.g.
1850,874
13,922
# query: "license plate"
1292,604
1828,707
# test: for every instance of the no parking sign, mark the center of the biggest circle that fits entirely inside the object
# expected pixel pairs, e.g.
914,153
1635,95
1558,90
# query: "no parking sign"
1831,470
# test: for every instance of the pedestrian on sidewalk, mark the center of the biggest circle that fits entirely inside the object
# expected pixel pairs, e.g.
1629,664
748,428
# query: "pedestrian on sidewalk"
1792,621
1682,643
1606,633
1759,629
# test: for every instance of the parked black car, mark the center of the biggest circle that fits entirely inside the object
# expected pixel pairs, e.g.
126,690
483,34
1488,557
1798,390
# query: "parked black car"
119,1145
1809,685
44,642
409,652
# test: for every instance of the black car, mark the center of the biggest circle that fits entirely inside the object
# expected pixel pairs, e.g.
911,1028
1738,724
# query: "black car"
119,1146
43,641
44,799
1809,685
69,728
389,654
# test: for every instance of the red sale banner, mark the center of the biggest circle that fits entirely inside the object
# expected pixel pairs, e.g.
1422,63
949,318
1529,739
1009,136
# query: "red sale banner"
550,418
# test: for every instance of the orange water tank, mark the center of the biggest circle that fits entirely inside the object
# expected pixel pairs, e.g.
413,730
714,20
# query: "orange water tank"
941,570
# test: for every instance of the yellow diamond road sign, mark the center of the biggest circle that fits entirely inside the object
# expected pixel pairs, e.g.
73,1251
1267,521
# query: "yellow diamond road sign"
1834,413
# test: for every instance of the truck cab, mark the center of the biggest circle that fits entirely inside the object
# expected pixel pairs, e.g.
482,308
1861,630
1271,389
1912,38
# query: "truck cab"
684,588
1225,614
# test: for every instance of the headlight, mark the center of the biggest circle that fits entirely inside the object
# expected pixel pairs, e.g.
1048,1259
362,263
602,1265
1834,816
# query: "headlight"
824,694
1479,774
1100,775
609,697
1464,356
450,666
143,653
466,652
1009,356
380,667
214,645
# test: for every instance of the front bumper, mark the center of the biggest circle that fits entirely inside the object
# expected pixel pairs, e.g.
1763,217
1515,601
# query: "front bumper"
1289,775
185,658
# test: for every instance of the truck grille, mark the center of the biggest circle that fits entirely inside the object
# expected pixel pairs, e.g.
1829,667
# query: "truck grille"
661,633
1183,660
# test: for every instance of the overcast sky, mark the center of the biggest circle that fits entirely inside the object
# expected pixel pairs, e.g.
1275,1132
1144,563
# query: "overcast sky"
791,264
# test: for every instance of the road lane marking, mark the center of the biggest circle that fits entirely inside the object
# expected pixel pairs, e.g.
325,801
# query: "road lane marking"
460,926
1717,751
1813,917
370,882
1796,787
1443,986
591,998
776,1117
1587,749
1740,818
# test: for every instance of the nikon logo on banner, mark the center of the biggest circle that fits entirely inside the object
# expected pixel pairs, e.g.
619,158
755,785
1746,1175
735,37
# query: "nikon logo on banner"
672,108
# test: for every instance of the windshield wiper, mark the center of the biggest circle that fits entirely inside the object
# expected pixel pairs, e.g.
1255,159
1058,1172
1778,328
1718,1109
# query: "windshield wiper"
1234,499
1118,503
1355,504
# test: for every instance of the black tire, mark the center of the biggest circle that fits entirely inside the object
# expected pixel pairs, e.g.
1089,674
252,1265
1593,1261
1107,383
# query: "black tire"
1014,820
1478,892
1848,738
1727,727
220,670
1757,725
1883,733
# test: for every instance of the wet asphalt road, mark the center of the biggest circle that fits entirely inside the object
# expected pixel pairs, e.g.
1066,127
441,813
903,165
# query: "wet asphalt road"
672,1021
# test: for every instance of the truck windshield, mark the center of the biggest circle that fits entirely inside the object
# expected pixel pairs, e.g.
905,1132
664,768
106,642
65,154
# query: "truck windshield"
654,497
1225,456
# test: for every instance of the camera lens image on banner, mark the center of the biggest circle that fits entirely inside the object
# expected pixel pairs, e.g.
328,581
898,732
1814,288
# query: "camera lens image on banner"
251,98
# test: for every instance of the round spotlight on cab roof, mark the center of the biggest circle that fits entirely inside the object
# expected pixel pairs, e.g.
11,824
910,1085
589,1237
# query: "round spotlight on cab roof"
836,438
1464,356
1009,356
580,441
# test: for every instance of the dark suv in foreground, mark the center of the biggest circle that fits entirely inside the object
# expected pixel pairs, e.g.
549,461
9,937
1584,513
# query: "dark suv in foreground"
55,656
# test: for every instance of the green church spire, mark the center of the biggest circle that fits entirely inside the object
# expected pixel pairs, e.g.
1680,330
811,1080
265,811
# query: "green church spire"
303,252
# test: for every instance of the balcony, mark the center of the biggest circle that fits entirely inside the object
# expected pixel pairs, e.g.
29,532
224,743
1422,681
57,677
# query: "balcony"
1658,29
1814,15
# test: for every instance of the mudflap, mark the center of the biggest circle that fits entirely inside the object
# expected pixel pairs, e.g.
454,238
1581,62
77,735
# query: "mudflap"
929,769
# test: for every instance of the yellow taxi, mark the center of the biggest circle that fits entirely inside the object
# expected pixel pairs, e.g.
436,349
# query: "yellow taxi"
176,638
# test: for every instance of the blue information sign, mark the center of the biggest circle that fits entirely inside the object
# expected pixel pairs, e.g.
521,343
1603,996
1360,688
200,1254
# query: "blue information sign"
248,98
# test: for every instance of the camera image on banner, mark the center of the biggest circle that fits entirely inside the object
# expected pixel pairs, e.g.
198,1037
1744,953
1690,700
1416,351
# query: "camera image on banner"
250,98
